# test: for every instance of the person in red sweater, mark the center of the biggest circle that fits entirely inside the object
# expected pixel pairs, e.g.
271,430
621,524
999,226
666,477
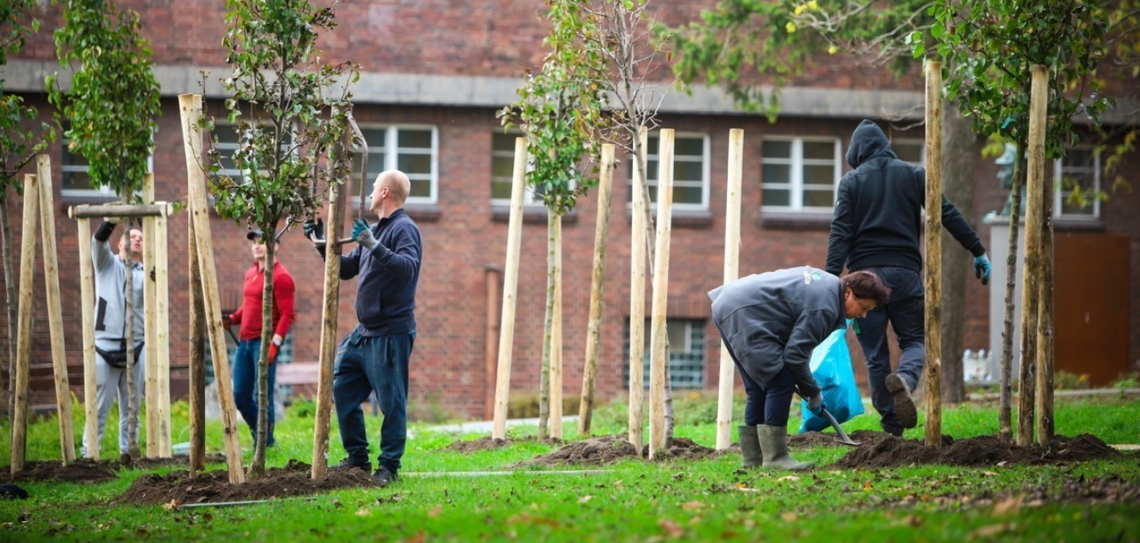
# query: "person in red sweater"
248,317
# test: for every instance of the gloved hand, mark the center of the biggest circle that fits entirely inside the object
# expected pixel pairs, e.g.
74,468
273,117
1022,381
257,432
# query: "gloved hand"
982,269
272,353
362,234
226,318
815,404
314,229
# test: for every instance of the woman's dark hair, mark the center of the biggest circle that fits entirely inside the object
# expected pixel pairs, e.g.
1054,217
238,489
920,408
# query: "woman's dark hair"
866,285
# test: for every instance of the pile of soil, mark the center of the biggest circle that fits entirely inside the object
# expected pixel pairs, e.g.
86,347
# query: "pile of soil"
292,480
482,444
85,470
892,451
604,450
808,440
1097,490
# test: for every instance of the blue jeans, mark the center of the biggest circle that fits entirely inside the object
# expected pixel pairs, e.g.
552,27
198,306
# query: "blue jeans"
245,385
905,312
373,364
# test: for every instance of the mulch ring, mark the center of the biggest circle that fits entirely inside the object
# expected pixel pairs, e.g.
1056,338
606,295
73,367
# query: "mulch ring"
609,449
214,486
85,470
891,451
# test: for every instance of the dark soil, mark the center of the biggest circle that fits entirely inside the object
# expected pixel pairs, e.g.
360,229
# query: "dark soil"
604,450
891,451
85,470
809,440
214,486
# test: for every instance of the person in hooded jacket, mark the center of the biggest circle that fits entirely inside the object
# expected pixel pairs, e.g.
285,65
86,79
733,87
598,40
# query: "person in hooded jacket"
770,323
876,228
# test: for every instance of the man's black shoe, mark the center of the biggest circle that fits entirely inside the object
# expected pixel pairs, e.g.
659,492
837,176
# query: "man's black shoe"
383,477
349,463
904,403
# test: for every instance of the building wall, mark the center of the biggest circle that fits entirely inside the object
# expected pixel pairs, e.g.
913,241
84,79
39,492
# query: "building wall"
464,236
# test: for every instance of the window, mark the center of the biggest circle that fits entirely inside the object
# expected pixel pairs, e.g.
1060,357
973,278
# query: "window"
686,353
410,149
75,181
913,151
800,174
225,141
503,171
690,171
1079,169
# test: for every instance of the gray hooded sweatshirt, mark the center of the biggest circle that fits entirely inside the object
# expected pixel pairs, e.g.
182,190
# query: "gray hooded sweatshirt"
775,319
110,299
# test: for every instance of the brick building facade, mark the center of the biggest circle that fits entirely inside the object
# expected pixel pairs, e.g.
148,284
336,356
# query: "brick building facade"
433,74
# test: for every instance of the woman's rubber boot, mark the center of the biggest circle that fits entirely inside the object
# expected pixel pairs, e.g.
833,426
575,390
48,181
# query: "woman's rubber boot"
750,446
774,444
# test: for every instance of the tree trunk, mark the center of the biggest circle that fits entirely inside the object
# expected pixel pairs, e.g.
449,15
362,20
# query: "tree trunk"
597,283
1005,414
10,298
257,466
958,158
129,324
548,326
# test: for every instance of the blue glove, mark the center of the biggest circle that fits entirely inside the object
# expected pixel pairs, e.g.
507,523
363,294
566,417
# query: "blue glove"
362,234
982,269
314,229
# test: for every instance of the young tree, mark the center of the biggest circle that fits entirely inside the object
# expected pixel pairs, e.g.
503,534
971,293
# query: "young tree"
18,144
112,107
560,110
284,109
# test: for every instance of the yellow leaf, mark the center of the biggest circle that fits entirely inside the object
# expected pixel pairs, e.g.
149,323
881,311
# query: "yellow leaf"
1008,506
813,5
866,486
832,49
790,27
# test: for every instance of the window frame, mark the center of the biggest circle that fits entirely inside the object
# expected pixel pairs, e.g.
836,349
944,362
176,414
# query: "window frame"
1059,193
693,327
652,154
391,159
912,141
796,163
69,169
530,200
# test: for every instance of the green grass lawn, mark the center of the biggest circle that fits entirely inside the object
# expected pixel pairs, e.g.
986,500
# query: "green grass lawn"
692,500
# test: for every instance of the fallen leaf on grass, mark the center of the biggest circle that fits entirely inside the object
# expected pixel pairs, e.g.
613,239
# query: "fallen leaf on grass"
784,478
789,516
1008,506
909,520
585,499
672,529
172,504
420,537
986,531
692,506
363,512
866,486
989,473
435,511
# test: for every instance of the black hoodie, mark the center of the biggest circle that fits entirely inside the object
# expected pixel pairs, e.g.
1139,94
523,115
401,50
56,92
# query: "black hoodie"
878,212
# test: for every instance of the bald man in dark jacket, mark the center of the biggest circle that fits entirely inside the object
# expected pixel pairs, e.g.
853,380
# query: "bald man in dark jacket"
876,227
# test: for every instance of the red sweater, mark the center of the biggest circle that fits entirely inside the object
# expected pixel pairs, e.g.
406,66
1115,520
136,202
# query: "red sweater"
283,313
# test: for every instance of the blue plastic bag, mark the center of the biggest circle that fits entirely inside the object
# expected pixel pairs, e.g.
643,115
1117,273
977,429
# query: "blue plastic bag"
831,367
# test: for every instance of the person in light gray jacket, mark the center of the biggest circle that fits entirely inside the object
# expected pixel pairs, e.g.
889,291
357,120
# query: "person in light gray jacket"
110,334
770,323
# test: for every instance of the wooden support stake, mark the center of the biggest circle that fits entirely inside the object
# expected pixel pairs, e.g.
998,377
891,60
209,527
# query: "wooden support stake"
637,303
933,253
162,338
87,310
150,389
1031,277
329,314
494,294
659,332
510,291
55,312
24,322
731,272
597,282
121,211
191,111
197,356
556,337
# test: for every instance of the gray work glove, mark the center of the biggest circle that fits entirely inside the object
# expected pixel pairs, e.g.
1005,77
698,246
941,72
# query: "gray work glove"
815,404
315,230
362,235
